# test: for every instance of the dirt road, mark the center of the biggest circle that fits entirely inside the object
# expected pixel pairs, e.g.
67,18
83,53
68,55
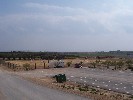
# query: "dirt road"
13,87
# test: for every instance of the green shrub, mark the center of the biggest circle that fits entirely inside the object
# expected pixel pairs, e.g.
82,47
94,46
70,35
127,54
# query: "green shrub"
69,64
26,66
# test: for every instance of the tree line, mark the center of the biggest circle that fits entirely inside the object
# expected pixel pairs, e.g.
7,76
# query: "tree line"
34,55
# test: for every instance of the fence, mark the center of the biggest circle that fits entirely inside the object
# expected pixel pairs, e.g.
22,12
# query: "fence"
18,67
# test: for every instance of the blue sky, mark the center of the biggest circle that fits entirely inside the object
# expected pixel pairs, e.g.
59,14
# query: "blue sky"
66,25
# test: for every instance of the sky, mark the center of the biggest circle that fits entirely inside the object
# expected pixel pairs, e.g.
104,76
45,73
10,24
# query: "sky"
66,25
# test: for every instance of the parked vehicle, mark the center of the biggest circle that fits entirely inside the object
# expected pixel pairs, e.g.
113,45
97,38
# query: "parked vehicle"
56,64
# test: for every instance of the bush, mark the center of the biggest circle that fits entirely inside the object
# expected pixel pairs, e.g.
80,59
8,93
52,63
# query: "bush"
131,96
26,66
69,64
2,61
130,67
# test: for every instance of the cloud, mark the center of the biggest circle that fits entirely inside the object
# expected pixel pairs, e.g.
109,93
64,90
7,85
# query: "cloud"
78,29
109,20
84,20
56,9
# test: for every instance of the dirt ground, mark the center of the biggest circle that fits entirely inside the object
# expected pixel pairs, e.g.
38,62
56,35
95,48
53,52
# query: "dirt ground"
79,89
1,95
71,87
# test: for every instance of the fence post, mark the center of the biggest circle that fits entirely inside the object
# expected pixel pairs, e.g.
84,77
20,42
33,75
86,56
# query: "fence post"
10,65
35,65
13,66
44,65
